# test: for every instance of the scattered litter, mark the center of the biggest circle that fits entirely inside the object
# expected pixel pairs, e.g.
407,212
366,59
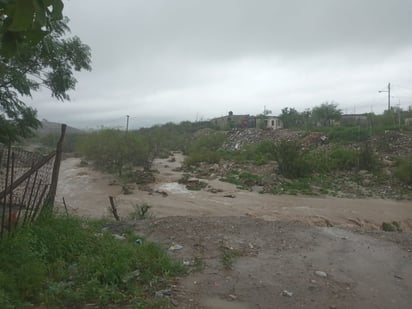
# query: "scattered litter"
229,195
232,297
119,237
398,277
287,293
188,262
163,293
251,246
175,247
138,241
320,273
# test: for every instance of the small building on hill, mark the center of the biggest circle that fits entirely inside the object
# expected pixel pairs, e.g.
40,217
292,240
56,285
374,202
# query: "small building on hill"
273,122
234,121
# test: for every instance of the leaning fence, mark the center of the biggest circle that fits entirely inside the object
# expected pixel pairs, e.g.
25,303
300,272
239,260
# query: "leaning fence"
28,183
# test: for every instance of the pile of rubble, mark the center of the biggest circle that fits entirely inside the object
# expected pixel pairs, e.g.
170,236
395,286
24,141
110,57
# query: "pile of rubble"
238,138
393,143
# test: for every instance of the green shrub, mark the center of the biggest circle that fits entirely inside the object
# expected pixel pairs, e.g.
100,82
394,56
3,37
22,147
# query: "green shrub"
113,150
367,158
291,160
344,158
404,170
348,134
205,149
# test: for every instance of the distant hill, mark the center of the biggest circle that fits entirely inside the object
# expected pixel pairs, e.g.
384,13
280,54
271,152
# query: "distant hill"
49,127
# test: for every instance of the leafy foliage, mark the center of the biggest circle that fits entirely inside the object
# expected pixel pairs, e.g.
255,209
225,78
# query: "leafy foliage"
291,159
205,148
24,22
404,170
113,150
326,113
35,52
67,262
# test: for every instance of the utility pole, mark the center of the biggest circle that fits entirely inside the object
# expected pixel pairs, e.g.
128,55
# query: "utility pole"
127,123
389,95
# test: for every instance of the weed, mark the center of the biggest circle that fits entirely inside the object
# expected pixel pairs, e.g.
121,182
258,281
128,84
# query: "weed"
404,170
140,211
228,258
291,160
294,187
243,180
391,227
67,262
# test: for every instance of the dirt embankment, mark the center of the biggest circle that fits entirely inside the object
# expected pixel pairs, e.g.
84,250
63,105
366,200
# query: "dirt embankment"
251,250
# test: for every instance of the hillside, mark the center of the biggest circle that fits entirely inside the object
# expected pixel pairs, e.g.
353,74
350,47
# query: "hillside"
49,127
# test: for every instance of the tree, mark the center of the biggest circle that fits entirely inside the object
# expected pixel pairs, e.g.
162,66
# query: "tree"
26,22
326,113
291,118
30,60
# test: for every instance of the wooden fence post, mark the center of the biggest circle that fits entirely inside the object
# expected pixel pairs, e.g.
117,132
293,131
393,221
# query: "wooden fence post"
56,169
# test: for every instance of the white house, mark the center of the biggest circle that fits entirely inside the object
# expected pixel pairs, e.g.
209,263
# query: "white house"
274,123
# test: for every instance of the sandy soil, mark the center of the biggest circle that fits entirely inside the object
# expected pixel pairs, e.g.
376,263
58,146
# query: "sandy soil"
274,244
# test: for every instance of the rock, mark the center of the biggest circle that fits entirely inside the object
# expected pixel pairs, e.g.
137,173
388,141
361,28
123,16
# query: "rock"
287,293
229,195
175,247
163,293
320,273
232,297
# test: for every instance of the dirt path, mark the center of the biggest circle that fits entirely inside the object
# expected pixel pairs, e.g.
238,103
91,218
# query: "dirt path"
252,250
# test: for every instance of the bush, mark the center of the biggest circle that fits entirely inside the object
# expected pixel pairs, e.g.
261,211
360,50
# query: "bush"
113,150
205,149
344,158
404,170
348,134
291,160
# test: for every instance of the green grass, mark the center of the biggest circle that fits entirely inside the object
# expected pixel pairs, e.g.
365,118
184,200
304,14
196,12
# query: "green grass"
228,258
67,262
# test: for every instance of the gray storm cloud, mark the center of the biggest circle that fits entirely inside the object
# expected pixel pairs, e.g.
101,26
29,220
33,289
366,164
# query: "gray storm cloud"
180,59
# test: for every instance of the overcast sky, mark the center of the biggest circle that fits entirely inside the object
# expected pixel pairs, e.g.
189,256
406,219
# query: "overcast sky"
174,60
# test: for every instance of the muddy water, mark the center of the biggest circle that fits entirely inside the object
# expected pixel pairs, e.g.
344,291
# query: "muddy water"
86,192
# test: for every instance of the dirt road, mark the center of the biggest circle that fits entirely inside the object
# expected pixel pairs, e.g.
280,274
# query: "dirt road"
251,250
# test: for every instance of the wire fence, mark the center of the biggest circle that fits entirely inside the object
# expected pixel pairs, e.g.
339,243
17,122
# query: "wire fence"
28,183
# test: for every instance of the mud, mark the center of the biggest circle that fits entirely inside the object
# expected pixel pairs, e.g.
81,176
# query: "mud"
251,250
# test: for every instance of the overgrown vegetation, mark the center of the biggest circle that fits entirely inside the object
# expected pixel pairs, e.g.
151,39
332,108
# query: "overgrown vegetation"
205,148
228,258
69,262
114,150
404,170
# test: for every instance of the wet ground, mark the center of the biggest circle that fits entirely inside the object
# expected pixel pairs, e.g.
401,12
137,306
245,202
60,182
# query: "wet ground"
251,250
